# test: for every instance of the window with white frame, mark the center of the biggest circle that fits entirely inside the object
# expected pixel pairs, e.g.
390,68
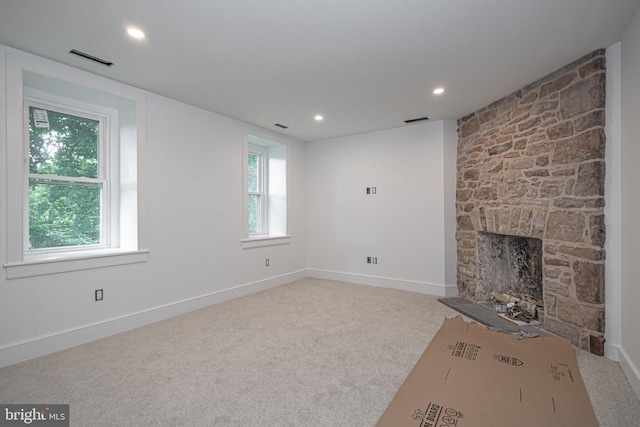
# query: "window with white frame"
68,179
265,188
257,173
75,159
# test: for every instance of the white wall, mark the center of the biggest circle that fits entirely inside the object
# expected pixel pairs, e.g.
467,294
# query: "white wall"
630,154
613,206
403,224
450,181
194,164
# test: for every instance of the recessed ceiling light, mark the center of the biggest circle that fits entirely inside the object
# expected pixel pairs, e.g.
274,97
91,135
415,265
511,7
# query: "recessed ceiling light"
136,33
438,91
319,118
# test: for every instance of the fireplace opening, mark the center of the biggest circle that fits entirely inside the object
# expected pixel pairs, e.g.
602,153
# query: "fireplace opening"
509,263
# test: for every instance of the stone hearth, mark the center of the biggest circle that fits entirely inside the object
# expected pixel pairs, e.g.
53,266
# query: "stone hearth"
532,165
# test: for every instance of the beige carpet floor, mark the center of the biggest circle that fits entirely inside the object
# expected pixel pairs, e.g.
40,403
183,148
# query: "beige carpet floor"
311,353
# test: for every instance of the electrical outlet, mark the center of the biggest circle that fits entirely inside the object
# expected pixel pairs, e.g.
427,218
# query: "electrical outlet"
99,294
374,260
368,260
266,262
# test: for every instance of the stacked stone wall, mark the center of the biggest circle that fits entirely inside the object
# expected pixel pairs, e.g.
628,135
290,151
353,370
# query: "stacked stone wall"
532,164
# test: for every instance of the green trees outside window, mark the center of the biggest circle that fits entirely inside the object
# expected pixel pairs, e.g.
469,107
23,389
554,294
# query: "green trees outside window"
65,182
255,193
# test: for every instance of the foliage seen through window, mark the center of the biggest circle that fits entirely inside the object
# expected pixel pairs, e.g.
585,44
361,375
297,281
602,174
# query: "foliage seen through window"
65,186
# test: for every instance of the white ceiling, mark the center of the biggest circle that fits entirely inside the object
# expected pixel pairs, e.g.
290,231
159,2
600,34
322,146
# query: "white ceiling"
364,64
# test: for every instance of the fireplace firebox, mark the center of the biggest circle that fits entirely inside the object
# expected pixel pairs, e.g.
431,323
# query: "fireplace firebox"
509,263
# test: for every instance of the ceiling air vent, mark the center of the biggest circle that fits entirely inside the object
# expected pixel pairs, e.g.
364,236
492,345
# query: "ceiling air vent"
421,119
281,126
91,57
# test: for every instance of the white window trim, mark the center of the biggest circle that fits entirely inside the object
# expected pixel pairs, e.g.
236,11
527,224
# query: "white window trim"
97,259
134,248
259,241
269,238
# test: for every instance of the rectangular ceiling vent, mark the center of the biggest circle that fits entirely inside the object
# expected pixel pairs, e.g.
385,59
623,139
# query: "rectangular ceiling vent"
421,119
91,57
281,126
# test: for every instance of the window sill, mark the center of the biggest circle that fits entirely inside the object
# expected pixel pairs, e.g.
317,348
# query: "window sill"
260,241
43,265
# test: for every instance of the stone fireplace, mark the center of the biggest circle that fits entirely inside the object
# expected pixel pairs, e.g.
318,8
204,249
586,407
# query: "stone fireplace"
531,167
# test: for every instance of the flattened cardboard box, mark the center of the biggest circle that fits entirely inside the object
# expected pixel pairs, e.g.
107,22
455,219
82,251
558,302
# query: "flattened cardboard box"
470,376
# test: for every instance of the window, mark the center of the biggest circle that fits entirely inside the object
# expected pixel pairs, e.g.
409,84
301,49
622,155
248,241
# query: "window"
257,173
68,200
265,188
75,162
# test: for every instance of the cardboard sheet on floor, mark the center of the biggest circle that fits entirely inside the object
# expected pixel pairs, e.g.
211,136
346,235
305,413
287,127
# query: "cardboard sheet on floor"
470,376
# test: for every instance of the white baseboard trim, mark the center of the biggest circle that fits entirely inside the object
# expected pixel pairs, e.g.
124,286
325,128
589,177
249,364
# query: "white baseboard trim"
611,351
386,282
21,352
630,370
